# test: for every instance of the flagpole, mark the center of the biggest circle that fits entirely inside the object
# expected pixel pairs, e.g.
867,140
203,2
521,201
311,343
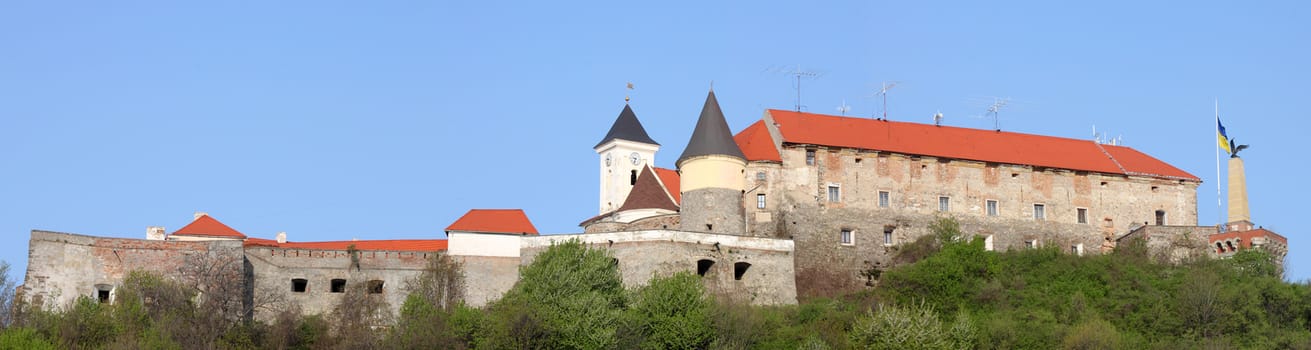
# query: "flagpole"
1219,193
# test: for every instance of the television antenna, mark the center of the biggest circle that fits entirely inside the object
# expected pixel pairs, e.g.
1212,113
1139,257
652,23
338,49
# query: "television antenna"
798,73
995,109
844,108
883,91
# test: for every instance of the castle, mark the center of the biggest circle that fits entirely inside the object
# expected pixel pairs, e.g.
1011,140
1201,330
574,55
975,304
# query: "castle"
794,205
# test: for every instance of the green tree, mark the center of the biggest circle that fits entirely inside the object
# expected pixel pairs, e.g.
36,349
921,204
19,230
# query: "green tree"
570,296
672,313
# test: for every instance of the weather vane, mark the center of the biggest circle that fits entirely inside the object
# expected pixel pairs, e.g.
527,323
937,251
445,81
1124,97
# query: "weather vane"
630,89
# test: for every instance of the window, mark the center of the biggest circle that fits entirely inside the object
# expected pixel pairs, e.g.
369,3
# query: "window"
703,266
103,293
1160,218
992,207
760,201
810,157
760,176
632,177
846,237
375,287
884,199
1082,214
740,269
987,243
338,285
944,203
1030,244
299,285
1077,249
834,193
1039,212
887,234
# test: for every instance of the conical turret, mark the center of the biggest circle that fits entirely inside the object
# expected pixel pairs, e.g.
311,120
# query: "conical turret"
712,169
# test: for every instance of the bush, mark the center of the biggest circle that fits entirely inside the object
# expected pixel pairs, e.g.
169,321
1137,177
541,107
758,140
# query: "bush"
20,338
672,313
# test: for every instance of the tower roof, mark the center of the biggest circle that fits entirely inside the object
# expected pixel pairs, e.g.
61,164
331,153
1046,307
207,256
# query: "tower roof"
649,193
204,225
712,136
627,127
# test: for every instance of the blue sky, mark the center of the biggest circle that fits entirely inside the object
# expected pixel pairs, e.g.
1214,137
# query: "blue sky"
340,120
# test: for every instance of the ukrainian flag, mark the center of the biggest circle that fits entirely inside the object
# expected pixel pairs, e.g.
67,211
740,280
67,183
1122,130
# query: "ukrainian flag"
1221,136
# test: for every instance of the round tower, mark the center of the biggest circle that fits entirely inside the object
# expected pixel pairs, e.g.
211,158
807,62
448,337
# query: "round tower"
711,176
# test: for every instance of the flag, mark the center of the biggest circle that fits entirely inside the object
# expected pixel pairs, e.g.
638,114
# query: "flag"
1221,136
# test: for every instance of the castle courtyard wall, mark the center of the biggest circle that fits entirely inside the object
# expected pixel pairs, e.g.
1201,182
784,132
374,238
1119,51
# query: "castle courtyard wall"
274,269
642,255
63,266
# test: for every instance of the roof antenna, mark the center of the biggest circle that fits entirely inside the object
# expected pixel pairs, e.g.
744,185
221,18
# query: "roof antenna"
798,73
995,108
843,108
630,90
884,92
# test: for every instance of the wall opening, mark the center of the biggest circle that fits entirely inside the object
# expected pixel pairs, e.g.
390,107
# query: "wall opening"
299,285
1219,248
987,243
710,227
1081,215
703,266
740,269
1160,218
887,234
338,285
375,287
810,157
632,177
102,292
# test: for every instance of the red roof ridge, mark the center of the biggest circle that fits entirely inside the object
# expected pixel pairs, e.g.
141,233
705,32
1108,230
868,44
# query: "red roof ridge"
969,144
207,226
494,221
377,244
757,144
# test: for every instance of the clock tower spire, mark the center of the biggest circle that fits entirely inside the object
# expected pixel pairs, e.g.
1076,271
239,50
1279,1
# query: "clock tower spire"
622,153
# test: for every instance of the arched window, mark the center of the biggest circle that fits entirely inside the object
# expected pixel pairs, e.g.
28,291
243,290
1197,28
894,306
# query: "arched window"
632,177
1219,248
740,269
703,266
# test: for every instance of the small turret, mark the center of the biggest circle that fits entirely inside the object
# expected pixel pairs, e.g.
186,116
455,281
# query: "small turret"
711,178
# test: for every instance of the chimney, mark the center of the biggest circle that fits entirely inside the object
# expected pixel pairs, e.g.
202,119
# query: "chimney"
154,233
282,237
198,215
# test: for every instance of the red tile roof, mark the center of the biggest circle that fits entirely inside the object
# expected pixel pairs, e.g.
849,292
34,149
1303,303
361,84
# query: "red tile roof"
969,144
208,227
670,179
648,194
494,221
407,245
756,143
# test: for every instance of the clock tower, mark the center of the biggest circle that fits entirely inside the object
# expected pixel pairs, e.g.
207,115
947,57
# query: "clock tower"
622,154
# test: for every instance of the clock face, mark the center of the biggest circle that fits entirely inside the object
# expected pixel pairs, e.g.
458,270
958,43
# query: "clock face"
635,158
609,157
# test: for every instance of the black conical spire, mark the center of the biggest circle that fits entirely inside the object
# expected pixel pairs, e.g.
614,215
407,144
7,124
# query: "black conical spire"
711,136
627,127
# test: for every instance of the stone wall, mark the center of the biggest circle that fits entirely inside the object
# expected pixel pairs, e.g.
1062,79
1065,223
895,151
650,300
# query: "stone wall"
768,278
275,268
1175,244
63,266
813,203
714,210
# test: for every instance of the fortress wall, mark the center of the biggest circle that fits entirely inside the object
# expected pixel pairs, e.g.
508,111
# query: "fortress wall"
642,255
1174,243
274,269
64,266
